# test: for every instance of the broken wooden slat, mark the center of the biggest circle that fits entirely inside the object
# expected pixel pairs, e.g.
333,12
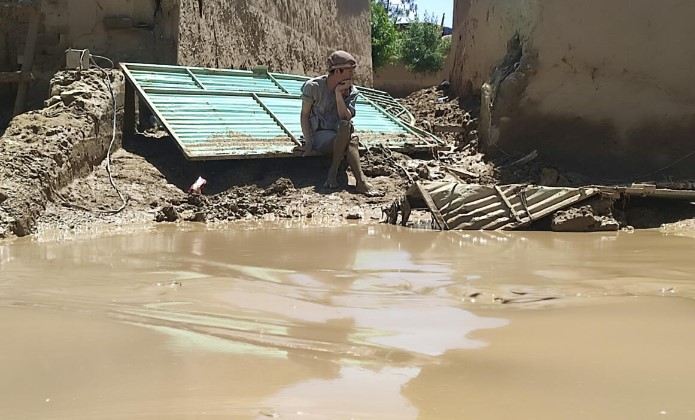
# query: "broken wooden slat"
449,129
19,5
433,207
460,173
507,203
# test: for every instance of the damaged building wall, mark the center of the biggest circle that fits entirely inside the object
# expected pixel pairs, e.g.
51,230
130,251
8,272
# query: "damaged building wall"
285,35
122,30
596,86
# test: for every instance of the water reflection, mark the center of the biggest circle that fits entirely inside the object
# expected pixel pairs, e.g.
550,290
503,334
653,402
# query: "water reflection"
364,321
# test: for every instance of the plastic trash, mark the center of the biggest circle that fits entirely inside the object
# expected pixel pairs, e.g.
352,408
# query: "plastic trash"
197,187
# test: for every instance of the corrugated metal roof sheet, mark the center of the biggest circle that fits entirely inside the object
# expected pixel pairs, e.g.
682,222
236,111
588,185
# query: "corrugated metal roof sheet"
459,206
232,114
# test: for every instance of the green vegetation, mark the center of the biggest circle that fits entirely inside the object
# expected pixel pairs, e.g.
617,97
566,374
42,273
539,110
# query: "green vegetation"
422,49
384,37
419,46
406,8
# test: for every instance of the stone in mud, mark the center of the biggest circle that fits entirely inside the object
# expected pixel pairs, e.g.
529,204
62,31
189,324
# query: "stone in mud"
582,219
280,187
193,216
167,214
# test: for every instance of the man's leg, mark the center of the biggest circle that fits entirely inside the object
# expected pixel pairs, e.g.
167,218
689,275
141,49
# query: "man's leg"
340,145
353,158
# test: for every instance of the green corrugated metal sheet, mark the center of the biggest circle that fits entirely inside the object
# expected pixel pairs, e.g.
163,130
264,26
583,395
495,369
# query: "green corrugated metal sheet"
233,114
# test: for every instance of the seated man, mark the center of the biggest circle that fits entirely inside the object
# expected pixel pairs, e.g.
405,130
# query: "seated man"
328,105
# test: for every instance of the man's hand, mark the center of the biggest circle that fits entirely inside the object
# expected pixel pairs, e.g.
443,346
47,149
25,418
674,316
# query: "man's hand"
343,87
305,150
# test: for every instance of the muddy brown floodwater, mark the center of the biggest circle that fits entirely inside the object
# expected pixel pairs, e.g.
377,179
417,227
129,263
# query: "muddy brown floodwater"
368,322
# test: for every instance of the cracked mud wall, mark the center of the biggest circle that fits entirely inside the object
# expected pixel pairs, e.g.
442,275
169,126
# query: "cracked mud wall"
285,35
599,86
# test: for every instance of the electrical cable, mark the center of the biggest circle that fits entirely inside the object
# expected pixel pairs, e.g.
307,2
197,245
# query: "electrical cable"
124,201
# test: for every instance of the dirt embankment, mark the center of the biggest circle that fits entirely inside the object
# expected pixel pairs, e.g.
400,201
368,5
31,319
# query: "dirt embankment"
152,175
43,151
57,177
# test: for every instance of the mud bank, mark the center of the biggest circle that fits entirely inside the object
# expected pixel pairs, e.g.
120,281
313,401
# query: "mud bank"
43,151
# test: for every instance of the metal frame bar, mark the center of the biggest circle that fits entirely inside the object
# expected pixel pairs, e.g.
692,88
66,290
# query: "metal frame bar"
143,96
195,79
276,119
219,93
270,76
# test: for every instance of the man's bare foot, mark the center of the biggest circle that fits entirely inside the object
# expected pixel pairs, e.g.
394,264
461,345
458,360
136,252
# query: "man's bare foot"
331,182
367,189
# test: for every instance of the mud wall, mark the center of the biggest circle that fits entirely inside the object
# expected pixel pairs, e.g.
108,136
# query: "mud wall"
122,30
399,82
599,86
285,35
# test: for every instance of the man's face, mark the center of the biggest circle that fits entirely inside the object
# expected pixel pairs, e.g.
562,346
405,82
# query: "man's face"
346,74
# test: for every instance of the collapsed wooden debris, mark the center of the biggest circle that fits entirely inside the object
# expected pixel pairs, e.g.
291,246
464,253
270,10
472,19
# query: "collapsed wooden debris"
461,206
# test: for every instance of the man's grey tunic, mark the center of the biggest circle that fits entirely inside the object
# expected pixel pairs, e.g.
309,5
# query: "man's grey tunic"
324,112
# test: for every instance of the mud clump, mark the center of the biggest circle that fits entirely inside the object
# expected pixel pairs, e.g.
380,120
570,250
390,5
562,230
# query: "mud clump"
583,219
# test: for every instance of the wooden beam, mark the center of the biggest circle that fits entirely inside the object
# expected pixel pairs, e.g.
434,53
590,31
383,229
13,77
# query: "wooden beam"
15,77
129,110
28,58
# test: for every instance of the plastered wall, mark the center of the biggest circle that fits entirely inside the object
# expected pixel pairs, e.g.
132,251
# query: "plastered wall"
285,35
601,86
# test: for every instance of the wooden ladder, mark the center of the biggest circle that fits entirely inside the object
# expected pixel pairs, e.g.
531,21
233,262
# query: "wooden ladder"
25,75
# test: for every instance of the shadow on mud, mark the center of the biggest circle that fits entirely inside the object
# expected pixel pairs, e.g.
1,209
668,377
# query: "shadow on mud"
221,175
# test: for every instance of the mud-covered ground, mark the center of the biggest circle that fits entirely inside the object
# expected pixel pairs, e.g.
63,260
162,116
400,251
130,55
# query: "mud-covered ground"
147,180
153,177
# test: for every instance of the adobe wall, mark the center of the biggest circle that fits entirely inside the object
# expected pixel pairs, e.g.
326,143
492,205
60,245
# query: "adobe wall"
399,82
598,86
285,35
122,30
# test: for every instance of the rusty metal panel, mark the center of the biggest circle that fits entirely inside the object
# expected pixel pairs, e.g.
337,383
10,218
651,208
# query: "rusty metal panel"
506,207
